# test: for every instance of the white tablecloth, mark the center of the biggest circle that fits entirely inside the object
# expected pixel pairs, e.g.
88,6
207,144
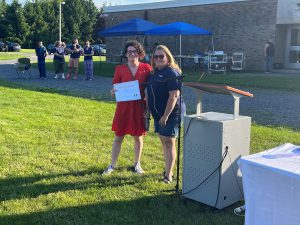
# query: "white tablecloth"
271,181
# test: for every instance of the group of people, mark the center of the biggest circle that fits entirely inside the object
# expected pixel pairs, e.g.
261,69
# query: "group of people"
160,90
59,53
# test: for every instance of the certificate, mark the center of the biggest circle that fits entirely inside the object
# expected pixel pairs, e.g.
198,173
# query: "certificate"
127,91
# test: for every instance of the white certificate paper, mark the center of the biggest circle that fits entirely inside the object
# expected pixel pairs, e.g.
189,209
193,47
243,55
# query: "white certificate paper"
127,91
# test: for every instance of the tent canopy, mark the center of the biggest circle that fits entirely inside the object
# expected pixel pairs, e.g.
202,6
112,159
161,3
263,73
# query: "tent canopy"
178,28
130,27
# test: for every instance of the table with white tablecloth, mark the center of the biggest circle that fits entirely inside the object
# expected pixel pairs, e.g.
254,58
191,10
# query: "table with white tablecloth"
271,181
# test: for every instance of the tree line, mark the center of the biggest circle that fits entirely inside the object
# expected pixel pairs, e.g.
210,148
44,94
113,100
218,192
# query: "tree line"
39,20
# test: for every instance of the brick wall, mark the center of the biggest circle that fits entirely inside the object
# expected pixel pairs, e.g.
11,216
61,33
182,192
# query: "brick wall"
237,26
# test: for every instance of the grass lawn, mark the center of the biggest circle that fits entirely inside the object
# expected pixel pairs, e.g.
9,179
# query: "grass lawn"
11,55
53,148
28,50
15,55
248,79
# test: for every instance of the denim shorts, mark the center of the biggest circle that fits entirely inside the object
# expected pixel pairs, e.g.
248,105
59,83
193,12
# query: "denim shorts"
170,130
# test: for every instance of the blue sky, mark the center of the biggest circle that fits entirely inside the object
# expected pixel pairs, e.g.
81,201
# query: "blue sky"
113,2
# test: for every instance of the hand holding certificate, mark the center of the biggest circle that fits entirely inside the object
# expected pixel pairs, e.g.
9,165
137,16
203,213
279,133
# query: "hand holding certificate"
127,91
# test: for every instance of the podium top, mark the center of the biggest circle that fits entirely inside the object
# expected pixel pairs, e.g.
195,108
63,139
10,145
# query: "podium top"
217,88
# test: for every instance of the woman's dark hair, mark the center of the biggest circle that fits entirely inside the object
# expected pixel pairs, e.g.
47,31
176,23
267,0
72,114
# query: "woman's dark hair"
137,45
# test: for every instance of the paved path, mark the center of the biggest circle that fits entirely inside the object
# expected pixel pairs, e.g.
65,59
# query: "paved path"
268,107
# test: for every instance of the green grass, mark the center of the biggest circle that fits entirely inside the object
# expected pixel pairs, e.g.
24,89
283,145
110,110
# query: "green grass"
28,50
247,79
10,55
53,148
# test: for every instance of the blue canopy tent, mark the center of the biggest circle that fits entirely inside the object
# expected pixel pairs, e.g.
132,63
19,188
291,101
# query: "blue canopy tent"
179,28
130,27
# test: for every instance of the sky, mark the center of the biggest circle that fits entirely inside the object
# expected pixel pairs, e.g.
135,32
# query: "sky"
112,2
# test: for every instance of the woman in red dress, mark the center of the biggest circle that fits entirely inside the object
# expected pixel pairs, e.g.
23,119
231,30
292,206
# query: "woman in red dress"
129,115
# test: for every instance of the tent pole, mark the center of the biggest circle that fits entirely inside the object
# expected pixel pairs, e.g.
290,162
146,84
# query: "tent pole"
180,50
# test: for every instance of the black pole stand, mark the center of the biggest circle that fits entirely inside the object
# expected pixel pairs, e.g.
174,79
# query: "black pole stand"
178,143
178,140
100,57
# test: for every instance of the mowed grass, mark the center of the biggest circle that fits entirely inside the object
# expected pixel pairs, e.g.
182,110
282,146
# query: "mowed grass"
53,149
11,55
16,55
280,81
27,50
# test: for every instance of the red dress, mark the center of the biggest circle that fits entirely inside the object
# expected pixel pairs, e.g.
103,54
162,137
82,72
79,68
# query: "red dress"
129,116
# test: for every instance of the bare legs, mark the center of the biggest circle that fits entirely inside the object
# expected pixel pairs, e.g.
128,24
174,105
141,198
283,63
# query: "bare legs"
138,146
169,151
116,148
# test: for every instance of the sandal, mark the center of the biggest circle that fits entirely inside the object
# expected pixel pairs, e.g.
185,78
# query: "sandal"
167,180
240,211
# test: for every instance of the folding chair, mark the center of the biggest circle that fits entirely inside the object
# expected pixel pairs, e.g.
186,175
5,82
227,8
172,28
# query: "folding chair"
238,61
23,67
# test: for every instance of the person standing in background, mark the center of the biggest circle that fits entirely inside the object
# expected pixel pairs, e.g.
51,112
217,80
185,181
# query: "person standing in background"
59,59
269,55
41,53
88,61
74,59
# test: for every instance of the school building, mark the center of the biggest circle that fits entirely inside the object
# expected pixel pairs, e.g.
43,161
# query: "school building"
237,26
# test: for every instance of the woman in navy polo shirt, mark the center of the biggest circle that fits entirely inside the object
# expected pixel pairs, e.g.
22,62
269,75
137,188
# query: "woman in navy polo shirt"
163,90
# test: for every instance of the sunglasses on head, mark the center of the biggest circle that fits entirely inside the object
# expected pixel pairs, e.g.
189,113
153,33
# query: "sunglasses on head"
159,56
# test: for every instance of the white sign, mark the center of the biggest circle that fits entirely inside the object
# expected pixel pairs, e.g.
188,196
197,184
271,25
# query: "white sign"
127,91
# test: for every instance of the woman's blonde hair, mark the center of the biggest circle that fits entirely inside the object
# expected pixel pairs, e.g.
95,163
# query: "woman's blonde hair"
172,63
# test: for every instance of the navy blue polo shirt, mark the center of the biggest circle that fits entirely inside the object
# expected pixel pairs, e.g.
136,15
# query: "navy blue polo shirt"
41,53
75,55
158,86
88,51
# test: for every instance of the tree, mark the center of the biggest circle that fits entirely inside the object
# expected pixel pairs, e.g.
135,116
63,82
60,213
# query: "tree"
79,18
39,20
3,21
100,25
35,16
17,29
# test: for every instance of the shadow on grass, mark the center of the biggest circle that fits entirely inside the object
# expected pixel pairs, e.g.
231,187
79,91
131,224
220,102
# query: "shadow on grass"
157,210
34,186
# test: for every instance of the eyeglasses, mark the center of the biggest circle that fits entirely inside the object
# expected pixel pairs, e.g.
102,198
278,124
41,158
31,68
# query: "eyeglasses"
134,52
159,56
